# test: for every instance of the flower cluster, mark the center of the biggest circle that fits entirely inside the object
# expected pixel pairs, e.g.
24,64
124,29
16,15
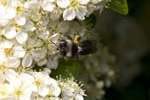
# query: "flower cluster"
30,31
33,85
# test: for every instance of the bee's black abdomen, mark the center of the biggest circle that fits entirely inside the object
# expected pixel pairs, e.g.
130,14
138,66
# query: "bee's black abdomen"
86,47
74,50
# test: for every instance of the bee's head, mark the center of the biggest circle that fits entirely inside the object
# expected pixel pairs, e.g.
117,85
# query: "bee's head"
63,48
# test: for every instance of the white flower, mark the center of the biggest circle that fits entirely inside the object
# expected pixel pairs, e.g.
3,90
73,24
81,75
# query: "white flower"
10,54
41,83
22,87
71,90
76,9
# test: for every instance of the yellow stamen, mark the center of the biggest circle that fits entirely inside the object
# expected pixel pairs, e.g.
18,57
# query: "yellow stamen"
8,52
74,3
3,2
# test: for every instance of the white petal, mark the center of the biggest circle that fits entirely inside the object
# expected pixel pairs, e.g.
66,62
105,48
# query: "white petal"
48,6
44,35
6,44
10,13
29,26
3,22
69,14
43,91
12,62
19,52
2,12
79,97
84,2
56,92
81,12
96,1
2,56
63,3
27,79
22,37
54,38
39,54
53,87
27,61
11,75
9,32
52,0
20,20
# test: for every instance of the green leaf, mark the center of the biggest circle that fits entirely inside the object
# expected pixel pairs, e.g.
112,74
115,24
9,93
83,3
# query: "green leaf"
67,69
90,21
119,6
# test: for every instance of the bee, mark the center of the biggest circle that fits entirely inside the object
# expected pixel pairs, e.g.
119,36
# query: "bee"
71,48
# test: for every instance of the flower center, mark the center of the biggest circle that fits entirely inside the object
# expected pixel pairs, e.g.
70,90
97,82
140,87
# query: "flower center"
19,9
74,3
18,92
2,67
8,52
37,82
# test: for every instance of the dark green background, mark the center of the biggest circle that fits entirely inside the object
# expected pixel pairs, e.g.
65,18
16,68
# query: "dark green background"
139,87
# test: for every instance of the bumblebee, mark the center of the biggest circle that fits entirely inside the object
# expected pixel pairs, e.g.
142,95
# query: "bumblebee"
71,48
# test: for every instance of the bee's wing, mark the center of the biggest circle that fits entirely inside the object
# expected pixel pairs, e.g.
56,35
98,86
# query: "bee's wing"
87,47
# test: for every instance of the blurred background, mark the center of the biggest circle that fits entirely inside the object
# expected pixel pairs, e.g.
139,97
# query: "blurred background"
128,38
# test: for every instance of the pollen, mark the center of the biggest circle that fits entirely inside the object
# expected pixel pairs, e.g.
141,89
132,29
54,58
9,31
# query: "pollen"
74,3
18,92
37,82
2,68
8,52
